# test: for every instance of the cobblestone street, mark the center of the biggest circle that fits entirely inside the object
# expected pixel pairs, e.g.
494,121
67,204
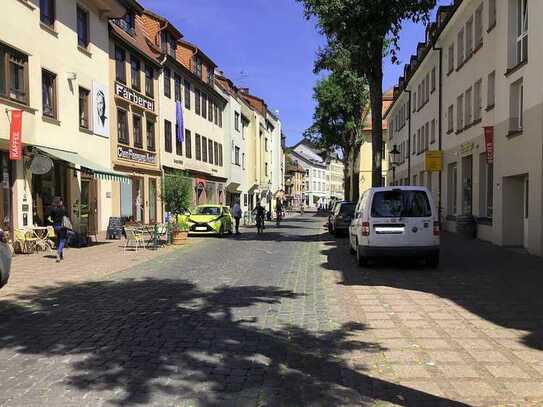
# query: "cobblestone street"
283,319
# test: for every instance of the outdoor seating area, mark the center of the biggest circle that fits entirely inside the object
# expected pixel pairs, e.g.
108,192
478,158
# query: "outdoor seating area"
154,236
32,239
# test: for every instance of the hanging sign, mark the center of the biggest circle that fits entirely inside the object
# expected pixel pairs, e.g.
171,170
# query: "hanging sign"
15,135
433,161
489,144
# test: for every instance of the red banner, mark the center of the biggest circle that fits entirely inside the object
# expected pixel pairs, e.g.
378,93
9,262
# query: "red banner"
489,143
15,135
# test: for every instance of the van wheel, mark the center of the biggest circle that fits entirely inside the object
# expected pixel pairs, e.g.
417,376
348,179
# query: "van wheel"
361,260
432,261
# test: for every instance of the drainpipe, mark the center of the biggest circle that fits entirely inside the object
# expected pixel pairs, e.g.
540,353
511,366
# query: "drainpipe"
408,137
440,124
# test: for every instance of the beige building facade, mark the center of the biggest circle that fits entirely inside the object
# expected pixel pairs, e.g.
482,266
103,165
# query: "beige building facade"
487,106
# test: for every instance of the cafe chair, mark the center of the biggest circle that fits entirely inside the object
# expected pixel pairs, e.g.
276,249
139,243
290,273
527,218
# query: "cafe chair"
134,235
23,241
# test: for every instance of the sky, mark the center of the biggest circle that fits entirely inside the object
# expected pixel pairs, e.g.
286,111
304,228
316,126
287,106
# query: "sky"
268,47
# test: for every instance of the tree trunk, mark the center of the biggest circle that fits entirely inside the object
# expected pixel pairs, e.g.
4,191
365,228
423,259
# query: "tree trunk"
376,100
346,179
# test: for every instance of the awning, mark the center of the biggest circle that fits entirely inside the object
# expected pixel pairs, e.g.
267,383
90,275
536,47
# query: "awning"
97,171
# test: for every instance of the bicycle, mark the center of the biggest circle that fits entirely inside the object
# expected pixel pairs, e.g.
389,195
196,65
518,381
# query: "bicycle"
259,224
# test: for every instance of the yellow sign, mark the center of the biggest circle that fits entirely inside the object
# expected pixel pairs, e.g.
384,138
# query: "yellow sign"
434,161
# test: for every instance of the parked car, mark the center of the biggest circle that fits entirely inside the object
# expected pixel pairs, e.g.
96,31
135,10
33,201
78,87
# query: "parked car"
340,217
5,263
395,221
210,220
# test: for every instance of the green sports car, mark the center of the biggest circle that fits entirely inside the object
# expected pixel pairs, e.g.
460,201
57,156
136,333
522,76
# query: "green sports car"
210,220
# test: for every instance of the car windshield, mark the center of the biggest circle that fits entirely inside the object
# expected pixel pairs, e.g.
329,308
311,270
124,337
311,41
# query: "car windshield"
399,203
347,209
207,210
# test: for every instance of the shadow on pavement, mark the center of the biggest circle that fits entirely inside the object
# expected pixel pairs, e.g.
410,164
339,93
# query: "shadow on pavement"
136,341
497,284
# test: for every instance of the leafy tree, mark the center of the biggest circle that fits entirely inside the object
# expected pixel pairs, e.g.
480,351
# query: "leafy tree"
177,193
338,118
368,29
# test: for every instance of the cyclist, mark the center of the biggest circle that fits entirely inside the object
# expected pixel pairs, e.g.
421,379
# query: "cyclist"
278,212
260,212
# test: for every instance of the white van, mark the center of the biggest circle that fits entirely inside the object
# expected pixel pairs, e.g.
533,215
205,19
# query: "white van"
397,222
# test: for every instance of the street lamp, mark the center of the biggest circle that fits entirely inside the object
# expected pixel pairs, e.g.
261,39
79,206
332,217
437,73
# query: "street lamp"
393,162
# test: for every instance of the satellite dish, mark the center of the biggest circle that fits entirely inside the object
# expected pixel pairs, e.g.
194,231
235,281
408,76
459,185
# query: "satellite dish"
41,164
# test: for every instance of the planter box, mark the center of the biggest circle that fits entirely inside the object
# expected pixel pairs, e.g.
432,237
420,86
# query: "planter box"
180,238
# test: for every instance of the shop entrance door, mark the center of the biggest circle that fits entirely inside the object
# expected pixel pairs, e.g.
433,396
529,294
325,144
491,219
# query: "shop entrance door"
89,206
138,196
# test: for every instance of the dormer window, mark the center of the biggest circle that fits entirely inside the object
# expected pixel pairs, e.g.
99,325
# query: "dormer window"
210,76
127,23
198,67
168,43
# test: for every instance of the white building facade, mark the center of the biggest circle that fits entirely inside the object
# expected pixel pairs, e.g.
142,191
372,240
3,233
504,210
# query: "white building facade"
317,174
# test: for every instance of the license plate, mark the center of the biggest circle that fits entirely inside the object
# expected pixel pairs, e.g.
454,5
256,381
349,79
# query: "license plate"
202,228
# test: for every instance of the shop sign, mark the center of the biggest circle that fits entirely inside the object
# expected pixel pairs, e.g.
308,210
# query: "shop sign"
15,135
134,97
144,157
489,144
433,161
466,148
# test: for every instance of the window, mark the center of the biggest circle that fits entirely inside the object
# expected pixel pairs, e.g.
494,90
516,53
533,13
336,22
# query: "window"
433,132
397,203
120,68
167,136
135,72
219,113
167,82
469,37
418,141
197,101
491,89
168,43
521,54
210,151
516,120
204,149
460,113
211,110
451,58
266,144
47,12
236,121
479,26
236,159
491,14
217,116
477,100
82,27
197,67
48,86
427,136
177,87
427,87
460,49
452,186
178,143
84,108
138,133
414,149
266,169
149,81
433,79
127,23
122,127
150,135
188,144
469,105
467,185
216,149
220,155
198,144
486,188
187,94
243,161
210,76
204,105
450,119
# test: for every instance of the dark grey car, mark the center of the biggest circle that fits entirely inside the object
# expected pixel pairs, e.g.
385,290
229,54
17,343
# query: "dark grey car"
340,218
5,263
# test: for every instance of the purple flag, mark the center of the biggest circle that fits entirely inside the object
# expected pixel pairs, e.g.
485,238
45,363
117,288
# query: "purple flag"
180,128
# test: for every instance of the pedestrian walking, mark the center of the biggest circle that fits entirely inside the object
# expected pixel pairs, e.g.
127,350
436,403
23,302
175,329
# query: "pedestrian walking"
236,211
60,224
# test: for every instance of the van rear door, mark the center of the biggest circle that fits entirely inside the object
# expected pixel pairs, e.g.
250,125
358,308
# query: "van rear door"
387,228
418,218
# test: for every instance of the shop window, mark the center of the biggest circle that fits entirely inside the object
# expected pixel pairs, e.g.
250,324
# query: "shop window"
188,144
122,127
187,95
126,200
150,135
167,136
167,82
135,72
138,132
452,187
198,146
120,65
204,149
152,201
204,105
210,151
467,185
47,12
486,187
82,28
138,199
84,108
48,83
197,101
149,81
178,144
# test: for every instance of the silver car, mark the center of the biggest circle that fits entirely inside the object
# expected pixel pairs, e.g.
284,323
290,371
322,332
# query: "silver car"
5,263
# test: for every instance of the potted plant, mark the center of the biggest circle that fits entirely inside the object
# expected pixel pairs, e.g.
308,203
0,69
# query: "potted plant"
177,197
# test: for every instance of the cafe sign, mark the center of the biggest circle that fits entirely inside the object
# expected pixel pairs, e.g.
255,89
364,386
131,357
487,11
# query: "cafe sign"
142,157
134,97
